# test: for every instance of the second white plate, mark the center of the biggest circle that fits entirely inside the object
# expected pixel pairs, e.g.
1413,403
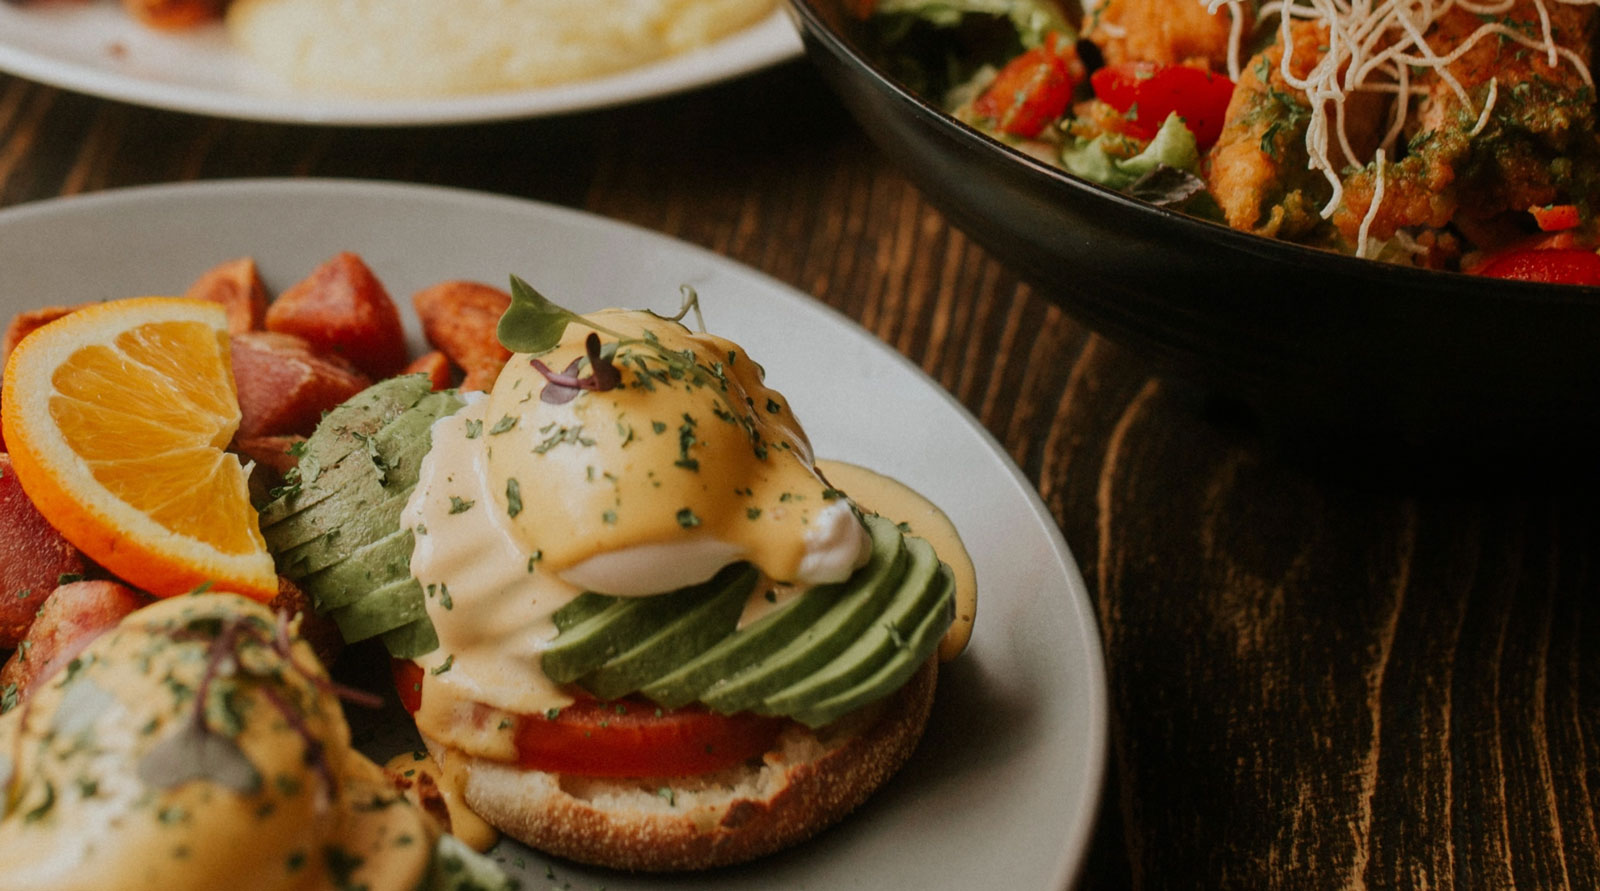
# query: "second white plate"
96,48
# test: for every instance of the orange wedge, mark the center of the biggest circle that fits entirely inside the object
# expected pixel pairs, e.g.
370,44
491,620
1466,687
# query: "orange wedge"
117,417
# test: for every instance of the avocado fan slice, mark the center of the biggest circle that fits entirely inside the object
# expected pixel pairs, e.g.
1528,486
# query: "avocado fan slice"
580,608
411,640
621,626
394,604
916,650
917,596
748,645
386,464
364,413
684,637
336,530
367,568
867,596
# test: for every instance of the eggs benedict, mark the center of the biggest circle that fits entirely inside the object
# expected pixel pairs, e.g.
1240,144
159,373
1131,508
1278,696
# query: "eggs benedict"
640,626
197,746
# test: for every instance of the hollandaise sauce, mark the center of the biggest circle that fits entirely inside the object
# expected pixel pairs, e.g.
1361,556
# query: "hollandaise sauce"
191,748
633,459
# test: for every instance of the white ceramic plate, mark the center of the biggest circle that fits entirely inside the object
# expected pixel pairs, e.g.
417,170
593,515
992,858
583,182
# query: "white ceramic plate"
1003,791
96,48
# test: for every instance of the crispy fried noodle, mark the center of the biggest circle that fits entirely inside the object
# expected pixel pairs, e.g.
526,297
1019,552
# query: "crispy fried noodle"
1381,47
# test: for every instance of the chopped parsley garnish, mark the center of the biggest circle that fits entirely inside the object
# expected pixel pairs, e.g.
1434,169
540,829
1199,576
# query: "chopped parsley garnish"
513,497
459,505
505,423
687,519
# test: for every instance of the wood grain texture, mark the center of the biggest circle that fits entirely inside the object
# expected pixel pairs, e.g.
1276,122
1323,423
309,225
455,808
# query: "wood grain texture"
1321,677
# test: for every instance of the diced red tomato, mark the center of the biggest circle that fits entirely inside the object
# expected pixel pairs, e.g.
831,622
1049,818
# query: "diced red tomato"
1033,89
626,738
1560,266
1146,92
1556,217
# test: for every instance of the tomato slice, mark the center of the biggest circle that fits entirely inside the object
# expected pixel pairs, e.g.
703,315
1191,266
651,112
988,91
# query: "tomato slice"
1559,266
1146,92
1033,89
1556,217
626,738
634,738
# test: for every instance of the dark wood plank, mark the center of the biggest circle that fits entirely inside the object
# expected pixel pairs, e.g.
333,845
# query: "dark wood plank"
1322,676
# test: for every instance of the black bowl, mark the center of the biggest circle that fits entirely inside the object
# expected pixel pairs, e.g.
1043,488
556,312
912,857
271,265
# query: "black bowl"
1312,339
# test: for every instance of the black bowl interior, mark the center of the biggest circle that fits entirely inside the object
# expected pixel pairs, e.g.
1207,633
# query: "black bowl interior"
1312,339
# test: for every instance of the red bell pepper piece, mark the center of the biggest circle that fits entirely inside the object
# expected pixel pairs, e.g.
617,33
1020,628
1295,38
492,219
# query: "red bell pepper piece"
1556,217
1146,92
1560,266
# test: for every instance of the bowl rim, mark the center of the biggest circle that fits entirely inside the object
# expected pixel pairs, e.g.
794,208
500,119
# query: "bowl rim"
815,24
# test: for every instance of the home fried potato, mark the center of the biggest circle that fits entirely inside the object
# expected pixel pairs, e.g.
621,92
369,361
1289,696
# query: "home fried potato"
436,366
285,384
24,323
342,308
236,285
460,319
72,616
172,15
33,558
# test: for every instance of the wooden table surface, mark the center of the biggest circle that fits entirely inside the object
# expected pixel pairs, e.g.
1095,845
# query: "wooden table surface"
1320,676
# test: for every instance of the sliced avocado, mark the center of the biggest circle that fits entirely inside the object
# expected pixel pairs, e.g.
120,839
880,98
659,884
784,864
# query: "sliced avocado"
336,529
621,626
389,463
892,676
411,640
687,635
917,596
366,569
775,630
868,594
580,608
395,604
364,413
341,536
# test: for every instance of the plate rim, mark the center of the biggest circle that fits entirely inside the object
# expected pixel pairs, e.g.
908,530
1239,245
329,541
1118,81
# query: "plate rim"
768,42
1072,857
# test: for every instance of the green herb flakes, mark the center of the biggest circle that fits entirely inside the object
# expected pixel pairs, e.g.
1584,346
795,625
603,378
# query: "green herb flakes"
513,497
502,425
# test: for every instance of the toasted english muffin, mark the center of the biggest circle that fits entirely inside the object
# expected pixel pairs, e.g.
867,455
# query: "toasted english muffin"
807,782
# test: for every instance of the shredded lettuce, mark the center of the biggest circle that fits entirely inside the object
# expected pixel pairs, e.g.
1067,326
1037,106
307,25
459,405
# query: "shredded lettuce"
1173,146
